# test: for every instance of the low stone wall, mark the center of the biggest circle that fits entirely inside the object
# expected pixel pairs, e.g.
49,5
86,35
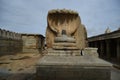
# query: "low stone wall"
10,42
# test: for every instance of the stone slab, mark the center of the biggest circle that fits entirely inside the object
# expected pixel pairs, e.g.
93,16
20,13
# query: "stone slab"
86,52
34,50
89,51
65,44
64,52
65,48
72,68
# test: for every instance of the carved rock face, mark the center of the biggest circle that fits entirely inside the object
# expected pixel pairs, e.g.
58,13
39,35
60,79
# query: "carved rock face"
68,21
63,20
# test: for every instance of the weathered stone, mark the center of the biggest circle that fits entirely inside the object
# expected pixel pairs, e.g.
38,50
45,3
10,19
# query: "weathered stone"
32,43
65,32
90,52
73,68
64,48
12,43
64,52
64,38
69,21
65,44
68,57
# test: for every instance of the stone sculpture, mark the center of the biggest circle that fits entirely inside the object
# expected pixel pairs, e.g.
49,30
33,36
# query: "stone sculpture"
65,26
66,40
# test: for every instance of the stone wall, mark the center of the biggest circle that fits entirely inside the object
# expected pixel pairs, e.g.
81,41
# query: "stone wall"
10,42
33,43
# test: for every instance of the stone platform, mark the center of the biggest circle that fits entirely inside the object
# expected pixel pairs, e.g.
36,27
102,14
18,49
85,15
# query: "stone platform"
63,52
73,68
66,52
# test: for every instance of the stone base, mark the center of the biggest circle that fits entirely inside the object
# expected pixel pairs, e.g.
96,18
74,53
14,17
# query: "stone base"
89,51
86,52
64,52
72,68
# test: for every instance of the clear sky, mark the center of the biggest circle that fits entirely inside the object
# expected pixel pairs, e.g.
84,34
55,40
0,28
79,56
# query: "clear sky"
29,16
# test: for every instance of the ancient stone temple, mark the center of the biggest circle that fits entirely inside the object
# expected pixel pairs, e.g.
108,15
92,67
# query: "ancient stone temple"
68,56
65,33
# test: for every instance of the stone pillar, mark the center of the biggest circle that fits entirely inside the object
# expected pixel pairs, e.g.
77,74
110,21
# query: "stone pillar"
95,44
107,49
118,50
101,49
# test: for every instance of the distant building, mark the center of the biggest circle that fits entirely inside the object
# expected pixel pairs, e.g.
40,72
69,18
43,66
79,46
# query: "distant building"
12,43
33,42
108,45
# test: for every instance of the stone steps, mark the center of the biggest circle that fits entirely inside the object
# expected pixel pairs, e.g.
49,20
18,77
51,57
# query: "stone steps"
64,52
65,44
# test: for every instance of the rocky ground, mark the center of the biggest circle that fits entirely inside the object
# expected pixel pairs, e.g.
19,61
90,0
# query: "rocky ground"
22,66
18,67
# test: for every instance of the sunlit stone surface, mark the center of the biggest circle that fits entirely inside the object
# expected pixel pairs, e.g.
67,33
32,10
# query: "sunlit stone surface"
68,56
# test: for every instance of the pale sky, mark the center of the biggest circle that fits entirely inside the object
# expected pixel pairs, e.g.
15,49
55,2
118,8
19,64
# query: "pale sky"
29,16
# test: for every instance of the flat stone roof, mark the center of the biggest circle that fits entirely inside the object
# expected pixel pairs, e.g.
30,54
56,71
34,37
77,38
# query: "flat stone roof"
111,35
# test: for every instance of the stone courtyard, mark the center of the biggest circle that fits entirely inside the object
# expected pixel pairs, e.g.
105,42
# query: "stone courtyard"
19,66
23,67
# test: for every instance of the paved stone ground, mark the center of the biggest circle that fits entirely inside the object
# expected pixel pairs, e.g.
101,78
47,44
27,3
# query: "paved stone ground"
115,75
22,67
18,67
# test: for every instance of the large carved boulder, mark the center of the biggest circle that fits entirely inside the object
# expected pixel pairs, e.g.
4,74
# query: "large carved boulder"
68,22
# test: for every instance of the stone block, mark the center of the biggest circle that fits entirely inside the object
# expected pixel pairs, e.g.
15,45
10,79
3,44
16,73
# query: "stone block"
64,44
89,51
72,68
63,52
65,48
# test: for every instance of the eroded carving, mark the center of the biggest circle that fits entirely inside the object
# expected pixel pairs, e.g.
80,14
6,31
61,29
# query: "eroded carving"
67,23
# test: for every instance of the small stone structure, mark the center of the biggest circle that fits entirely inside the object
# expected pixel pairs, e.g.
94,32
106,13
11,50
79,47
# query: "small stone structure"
68,56
10,42
33,43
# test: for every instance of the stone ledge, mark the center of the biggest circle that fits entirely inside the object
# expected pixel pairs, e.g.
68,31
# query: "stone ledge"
72,68
64,52
65,48
66,73
65,44
73,60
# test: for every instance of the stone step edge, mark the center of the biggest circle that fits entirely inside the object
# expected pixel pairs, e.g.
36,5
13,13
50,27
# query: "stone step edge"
65,48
